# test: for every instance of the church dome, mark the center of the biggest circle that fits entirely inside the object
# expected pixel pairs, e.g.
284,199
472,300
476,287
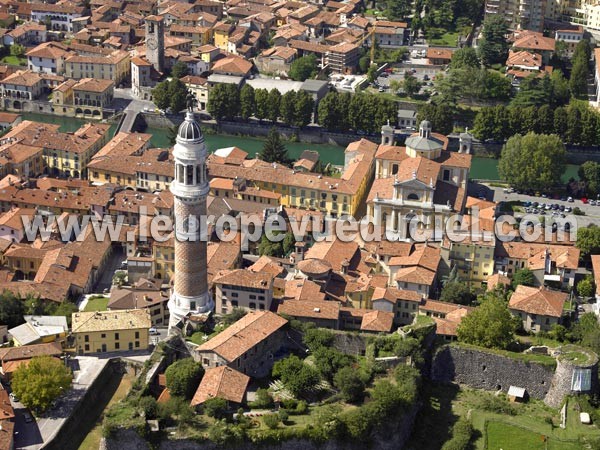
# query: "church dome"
189,130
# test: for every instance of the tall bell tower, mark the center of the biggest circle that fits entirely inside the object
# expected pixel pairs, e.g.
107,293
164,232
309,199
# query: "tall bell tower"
190,188
155,42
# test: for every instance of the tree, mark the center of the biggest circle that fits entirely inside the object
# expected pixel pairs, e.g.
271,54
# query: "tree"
287,106
148,406
297,376
316,338
247,105
261,100
372,73
397,9
441,117
588,240
215,407
40,382
183,377
457,292
11,310
180,70
273,149
303,109
303,68
289,243
411,84
579,70
329,360
274,100
363,63
65,309
586,287
348,381
493,46
266,247
589,172
177,95
223,102
160,95
533,161
490,325
465,57
333,111
523,277
17,50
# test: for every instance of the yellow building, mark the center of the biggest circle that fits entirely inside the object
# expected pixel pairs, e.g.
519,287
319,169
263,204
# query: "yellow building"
334,196
111,331
473,258
87,97
115,67
198,35
199,87
40,330
163,255
221,32
116,161
65,154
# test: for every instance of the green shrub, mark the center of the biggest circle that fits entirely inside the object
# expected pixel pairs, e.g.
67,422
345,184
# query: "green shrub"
271,420
149,407
263,399
462,432
499,405
215,407
283,415
183,377
301,407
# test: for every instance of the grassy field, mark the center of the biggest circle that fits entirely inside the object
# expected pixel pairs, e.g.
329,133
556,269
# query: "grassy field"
448,39
444,405
92,440
14,60
96,304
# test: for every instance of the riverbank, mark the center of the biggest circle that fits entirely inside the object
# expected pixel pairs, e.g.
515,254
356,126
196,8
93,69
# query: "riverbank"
482,168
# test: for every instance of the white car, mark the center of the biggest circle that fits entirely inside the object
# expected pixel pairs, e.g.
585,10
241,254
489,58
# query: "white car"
153,331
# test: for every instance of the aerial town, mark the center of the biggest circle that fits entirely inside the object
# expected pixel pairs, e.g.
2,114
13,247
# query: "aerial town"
278,224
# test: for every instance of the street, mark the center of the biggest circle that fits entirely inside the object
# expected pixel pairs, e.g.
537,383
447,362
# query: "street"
31,436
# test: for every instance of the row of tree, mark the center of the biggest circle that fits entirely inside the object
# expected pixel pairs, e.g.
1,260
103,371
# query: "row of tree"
362,112
576,123
292,108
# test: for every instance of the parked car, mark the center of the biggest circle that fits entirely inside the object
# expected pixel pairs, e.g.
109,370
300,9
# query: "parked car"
153,331
584,200
570,199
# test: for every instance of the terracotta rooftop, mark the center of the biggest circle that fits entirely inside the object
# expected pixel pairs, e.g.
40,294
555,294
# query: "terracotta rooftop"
540,301
243,335
380,321
30,351
328,310
221,382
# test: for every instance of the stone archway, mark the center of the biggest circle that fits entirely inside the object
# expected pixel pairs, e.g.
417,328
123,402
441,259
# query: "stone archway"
16,104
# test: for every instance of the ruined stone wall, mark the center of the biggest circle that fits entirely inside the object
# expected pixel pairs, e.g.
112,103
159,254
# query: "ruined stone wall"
482,370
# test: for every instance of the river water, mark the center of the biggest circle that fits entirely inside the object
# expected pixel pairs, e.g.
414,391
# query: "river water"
481,168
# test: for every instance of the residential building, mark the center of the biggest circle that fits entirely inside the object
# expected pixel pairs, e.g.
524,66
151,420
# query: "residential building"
276,59
48,57
554,264
417,271
539,308
439,56
535,42
116,162
311,191
19,88
596,274
388,34
12,228
40,330
87,97
570,36
21,160
472,257
198,86
403,304
60,15
244,289
115,66
12,358
222,382
111,331
343,58
143,77
247,346
26,34
144,295
524,14
9,120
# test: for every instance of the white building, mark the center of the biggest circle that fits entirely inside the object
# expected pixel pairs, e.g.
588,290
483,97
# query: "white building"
60,15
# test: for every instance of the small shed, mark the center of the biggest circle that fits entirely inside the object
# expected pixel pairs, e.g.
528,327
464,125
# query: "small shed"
517,394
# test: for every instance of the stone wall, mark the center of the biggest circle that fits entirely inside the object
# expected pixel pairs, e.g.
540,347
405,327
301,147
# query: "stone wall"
482,370
350,343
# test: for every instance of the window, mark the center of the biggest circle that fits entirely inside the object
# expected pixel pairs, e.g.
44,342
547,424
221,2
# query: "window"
117,346
137,334
252,305
137,344
252,297
116,336
103,336
234,303
446,176
87,347
412,196
394,169
86,338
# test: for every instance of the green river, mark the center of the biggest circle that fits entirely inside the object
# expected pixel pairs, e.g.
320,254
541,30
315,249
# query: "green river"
481,168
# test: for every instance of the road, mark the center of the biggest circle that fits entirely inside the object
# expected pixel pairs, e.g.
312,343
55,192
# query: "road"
113,263
124,100
31,436
592,213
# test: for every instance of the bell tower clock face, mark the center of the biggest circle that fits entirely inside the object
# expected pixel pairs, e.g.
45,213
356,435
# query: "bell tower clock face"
151,43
